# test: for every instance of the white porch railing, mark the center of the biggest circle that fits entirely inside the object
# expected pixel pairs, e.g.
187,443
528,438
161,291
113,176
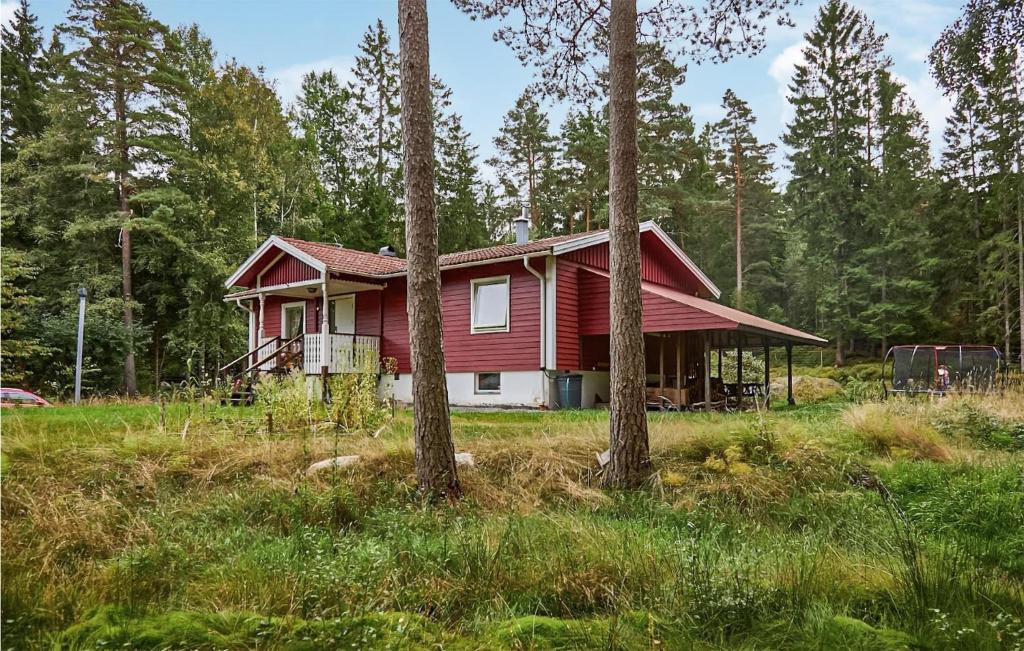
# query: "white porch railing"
265,352
345,353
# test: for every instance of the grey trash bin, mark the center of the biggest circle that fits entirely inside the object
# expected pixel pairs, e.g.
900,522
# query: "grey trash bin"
570,391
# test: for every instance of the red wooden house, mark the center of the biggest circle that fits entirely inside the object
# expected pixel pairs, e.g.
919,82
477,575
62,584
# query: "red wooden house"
515,317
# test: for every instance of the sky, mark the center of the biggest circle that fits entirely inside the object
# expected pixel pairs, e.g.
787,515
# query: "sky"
291,38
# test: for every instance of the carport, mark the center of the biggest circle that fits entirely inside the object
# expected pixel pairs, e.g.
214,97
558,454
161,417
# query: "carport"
680,333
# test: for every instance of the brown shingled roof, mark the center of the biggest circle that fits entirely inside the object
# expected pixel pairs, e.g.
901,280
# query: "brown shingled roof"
362,263
507,250
349,261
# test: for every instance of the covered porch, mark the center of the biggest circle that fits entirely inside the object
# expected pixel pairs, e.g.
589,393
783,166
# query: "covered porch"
685,367
686,339
323,325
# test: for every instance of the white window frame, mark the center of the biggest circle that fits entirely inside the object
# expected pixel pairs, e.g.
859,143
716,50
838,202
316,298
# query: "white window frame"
284,320
476,383
491,280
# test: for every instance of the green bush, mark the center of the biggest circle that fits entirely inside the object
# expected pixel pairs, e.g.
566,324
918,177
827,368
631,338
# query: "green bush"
968,421
294,401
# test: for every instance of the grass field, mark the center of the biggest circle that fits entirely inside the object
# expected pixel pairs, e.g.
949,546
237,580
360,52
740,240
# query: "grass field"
828,526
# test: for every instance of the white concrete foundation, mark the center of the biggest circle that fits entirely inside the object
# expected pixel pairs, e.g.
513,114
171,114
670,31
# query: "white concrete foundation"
518,389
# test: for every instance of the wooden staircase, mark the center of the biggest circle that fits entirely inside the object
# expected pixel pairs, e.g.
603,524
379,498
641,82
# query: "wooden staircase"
241,376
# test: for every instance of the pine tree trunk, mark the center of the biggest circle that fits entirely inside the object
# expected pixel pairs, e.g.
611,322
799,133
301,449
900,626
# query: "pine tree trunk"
121,115
435,453
531,185
1007,328
630,461
738,179
885,337
1020,277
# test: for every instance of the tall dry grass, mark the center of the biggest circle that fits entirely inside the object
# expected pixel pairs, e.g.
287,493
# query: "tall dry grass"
749,534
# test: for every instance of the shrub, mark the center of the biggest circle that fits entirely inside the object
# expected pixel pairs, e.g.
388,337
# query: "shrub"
808,389
287,399
966,419
886,431
354,404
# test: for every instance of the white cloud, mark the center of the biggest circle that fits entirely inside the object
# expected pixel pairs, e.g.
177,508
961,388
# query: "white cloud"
785,62
7,12
289,80
934,106
781,70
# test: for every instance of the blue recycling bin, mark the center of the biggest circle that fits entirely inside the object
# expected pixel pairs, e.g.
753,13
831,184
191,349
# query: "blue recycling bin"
570,391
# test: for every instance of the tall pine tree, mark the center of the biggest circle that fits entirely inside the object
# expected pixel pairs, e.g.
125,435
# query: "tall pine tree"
978,63
897,258
744,169
526,152
376,217
125,67
828,137
23,74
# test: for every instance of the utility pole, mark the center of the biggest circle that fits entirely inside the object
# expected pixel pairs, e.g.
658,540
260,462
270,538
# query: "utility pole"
81,337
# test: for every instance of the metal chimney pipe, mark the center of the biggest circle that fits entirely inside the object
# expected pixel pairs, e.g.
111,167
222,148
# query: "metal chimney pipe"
522,223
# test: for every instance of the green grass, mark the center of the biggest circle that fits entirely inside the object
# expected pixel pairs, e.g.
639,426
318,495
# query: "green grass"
833,525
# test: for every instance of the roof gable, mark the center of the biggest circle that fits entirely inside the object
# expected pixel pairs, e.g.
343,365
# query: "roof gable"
654,233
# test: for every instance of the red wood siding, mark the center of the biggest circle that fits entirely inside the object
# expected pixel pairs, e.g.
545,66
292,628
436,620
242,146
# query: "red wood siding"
593,310
368,313
515,350
248,279
288,270
660,314
272,321
595,353
395,339
567,340
657,263
313,315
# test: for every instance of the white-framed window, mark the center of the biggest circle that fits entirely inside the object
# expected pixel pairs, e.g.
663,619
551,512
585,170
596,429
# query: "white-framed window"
293,319
489,304
487,383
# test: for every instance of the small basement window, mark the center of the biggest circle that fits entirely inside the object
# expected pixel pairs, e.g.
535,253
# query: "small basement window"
489,304
488,382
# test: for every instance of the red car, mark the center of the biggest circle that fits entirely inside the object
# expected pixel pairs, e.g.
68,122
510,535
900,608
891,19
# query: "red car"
21,398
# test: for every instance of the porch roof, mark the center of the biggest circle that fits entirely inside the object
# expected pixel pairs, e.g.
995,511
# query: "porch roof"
741,320
703,314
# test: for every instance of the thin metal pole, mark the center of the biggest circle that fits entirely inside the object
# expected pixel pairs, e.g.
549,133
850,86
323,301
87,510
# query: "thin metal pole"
81,337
